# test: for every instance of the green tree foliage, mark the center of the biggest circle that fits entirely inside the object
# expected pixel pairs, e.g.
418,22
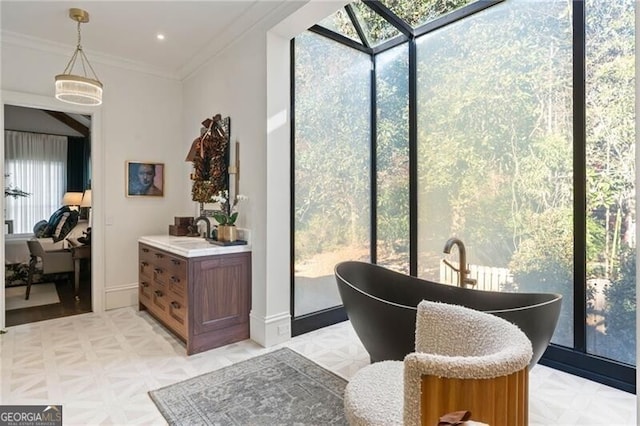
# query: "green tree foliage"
544,263
495,130
416,13
392,153
610,129
495,147
332,160
621,312
610,161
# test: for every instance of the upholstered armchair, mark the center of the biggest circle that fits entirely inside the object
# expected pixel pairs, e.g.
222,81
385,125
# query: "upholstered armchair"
53,261
465,360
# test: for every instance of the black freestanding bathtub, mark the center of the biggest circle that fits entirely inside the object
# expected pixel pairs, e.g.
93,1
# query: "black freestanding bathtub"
382,304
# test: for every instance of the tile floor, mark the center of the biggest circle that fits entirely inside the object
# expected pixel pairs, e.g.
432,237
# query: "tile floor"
100,367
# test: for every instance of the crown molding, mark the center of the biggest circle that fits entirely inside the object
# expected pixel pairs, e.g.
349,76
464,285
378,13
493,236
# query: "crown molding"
42,45
254,17
260,14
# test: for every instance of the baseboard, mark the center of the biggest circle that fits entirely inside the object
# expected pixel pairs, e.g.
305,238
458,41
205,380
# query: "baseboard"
121,296
271,330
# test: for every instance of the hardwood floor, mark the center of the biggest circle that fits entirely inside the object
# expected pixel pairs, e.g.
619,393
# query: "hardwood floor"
67,306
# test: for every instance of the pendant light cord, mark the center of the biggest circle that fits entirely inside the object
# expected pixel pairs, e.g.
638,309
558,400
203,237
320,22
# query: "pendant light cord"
83,59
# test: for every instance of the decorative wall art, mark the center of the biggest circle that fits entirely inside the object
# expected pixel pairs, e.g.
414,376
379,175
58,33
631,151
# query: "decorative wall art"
210,156
144,179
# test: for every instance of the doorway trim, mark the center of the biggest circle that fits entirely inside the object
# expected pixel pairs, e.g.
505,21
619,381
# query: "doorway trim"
30,100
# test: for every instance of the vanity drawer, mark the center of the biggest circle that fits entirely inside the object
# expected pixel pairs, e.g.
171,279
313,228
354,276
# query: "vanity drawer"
177,317
145,291
145,268
145,261
161,276
145,253
174,272
157,256
176,266
159,299
178,288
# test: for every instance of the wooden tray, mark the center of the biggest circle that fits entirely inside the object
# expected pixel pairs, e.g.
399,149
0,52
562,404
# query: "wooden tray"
228,243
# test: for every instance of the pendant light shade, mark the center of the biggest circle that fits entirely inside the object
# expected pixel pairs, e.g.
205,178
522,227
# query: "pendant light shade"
76,89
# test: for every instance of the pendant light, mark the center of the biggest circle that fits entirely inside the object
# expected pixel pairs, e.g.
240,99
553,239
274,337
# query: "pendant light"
76,89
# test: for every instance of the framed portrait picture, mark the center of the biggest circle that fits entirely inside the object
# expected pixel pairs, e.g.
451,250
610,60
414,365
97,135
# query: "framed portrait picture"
144,179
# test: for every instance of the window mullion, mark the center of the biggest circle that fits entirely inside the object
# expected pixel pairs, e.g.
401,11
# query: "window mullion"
579,176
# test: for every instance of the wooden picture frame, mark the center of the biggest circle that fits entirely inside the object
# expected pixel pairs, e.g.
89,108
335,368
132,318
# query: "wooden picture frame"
144,179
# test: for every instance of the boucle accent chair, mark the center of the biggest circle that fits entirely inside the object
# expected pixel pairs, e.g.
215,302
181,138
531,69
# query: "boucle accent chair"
464,360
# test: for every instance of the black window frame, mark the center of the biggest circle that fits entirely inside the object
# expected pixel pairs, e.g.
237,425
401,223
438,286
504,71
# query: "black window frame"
573,360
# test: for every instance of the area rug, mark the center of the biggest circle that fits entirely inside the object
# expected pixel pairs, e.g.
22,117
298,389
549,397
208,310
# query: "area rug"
41,294
278,388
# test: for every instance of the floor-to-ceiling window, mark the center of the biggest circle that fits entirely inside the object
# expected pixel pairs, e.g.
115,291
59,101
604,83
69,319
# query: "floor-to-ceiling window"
495,149
37,164
392,154
518,118
331,200
610,183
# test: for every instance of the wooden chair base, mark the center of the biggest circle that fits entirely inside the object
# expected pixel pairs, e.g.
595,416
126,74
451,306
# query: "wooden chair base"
500,401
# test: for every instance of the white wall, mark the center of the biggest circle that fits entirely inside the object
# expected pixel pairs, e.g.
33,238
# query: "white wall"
140,120
249,81
234,85
145,118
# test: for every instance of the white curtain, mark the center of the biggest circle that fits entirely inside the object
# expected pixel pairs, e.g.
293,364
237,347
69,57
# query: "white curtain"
37,164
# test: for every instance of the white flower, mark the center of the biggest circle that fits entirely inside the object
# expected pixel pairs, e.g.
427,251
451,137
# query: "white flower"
222,197
228,213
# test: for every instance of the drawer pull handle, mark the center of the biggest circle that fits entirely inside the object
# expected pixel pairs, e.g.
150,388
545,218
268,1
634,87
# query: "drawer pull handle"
175,261
158,271
146,250
159,255
144,284
175,305
144,264
158,293
174,279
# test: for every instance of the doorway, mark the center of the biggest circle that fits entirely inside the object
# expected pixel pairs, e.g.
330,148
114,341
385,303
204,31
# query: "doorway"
51,175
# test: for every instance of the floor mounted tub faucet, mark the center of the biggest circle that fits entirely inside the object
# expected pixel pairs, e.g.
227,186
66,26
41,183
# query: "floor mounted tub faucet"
463,272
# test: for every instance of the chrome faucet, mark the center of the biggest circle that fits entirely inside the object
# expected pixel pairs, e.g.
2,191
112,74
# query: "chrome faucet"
206,221
463,272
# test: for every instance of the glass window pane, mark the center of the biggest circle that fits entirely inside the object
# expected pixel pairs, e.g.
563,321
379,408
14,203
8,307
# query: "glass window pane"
332,151
392,94
419,12
339,22
611,219
376,29
495,149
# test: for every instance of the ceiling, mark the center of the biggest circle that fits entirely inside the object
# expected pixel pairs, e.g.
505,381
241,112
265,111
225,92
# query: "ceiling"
126,30
39,121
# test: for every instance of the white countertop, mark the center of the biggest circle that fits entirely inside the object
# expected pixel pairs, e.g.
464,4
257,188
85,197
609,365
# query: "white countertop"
190,246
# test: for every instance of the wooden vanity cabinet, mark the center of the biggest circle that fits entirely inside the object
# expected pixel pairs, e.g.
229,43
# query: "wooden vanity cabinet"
204,300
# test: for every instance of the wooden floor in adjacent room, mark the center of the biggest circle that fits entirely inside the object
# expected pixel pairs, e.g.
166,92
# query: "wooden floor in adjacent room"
68,304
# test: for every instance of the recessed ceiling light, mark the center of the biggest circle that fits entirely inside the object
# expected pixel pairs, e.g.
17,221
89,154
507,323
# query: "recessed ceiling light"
160,36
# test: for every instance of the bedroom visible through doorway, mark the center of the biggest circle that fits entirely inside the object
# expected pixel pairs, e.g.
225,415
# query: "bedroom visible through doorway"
47,158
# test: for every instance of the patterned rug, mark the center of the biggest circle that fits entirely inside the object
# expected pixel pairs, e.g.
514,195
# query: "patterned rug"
278,388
